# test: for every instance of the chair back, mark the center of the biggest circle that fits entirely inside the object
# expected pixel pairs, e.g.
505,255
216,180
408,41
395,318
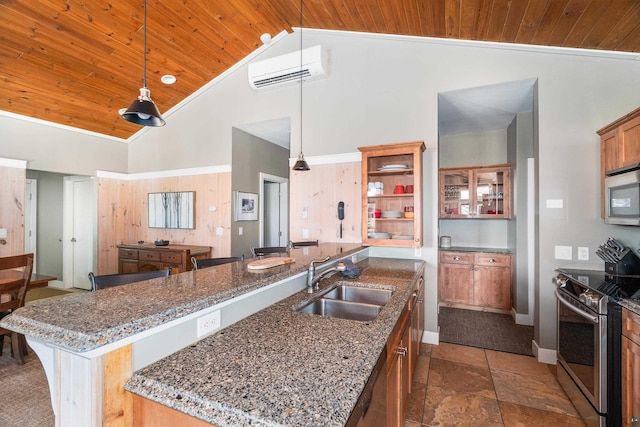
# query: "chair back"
256,252
210,262
304,243
111,280
14,288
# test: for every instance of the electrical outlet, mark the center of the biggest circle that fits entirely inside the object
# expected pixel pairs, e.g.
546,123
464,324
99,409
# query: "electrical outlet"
209,323
583,253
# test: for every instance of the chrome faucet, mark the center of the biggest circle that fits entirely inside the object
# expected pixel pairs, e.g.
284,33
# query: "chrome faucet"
313,279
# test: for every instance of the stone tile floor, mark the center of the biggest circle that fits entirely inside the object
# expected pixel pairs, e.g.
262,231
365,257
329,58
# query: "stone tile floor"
466,386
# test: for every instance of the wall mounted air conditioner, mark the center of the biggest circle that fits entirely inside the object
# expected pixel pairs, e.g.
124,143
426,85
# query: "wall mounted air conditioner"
289,68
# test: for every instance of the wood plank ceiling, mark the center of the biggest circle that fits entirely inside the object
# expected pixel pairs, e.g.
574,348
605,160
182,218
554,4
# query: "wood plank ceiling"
77,62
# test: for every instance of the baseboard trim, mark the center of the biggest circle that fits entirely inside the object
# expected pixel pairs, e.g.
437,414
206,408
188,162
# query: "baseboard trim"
430,337
522,319
543,355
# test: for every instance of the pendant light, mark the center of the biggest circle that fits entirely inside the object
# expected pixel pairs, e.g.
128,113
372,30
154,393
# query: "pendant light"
142,110
301,163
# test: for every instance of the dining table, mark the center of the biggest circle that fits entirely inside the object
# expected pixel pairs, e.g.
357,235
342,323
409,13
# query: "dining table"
37,280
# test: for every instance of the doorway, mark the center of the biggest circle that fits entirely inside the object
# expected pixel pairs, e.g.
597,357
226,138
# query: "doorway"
79,230
274,211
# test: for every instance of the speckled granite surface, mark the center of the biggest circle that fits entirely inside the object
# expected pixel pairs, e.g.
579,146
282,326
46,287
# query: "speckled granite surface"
475,249
82,322
279,367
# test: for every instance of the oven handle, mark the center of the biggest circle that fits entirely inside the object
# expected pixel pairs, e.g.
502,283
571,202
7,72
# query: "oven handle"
593,319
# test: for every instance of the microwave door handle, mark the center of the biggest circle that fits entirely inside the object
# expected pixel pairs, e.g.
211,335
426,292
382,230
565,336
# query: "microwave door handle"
593,319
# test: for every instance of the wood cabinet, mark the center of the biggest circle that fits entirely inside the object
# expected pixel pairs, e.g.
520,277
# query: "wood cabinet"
475,279
619,146
391,217
480,192
147,256
630,368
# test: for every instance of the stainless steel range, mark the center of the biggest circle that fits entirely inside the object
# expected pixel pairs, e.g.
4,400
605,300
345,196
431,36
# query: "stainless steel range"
589,334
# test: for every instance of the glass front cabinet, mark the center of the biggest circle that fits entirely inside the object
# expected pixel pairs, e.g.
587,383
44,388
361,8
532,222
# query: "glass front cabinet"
481,192
392,194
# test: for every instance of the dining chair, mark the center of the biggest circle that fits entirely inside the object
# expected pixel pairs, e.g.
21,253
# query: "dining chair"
210,262
12,294
111,280
256,252
294,245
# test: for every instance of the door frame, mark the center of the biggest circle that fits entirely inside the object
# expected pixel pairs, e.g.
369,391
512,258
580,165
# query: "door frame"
31,219
68,226
265,177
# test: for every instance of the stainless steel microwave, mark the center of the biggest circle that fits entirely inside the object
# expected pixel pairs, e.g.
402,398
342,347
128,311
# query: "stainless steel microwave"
622,196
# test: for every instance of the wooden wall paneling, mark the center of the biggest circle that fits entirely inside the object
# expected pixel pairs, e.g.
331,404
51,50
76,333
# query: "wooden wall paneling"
117,410
12,198
320,190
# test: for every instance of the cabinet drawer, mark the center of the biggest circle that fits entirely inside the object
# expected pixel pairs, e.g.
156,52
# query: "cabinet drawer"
148,256
171,257
493,260
456,257
128,253
631,325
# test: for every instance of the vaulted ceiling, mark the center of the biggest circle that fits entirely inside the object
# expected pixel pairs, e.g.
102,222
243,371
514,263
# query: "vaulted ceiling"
77,62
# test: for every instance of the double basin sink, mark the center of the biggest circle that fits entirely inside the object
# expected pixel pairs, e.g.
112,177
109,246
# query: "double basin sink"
347,301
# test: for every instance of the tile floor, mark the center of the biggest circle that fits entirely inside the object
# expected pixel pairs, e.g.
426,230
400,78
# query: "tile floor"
466,386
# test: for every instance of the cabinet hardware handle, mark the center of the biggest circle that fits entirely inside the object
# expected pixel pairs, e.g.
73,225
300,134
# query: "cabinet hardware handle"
456,258
402,351
634,419
492,260
420,301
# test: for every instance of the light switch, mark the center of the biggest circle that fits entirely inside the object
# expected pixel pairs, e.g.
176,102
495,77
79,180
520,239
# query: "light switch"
305,234
554,204
219,231
240,231
3,233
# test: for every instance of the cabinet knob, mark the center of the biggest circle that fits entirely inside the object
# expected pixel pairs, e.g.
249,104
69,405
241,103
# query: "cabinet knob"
456,258
402,351
492,260
634,419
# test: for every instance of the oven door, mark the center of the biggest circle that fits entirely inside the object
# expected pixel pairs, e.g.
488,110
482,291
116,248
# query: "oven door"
582,348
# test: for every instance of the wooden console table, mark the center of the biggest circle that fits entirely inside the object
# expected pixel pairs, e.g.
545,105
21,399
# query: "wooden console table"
147,256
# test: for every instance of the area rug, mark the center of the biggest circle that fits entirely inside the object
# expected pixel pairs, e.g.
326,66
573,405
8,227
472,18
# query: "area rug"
40,293
491,331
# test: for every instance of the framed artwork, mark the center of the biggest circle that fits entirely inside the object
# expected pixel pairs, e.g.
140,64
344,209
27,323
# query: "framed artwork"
172,210
246,206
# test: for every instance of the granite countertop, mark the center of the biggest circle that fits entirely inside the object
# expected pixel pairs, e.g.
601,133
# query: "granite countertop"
279,367
630,304
476,249
85,321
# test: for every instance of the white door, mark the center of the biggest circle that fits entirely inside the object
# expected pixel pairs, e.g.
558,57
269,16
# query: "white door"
79,231
274,211
31,219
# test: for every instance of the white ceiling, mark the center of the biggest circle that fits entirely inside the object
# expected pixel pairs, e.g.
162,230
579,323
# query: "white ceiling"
483,108
276,131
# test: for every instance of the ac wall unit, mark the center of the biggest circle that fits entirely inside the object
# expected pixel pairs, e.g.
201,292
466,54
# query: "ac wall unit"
288,68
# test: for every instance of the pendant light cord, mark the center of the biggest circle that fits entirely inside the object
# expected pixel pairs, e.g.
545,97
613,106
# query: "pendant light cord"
144,50
301,62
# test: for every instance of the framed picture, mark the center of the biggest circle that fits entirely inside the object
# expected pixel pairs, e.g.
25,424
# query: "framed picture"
246,206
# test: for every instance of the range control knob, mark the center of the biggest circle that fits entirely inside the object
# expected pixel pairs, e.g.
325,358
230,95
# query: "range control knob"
560,281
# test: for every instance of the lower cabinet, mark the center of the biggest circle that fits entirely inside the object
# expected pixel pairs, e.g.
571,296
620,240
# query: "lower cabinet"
146,256
475,279
630,369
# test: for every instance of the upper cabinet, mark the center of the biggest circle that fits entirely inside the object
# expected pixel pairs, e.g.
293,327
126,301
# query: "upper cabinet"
619,146
392,194
480,192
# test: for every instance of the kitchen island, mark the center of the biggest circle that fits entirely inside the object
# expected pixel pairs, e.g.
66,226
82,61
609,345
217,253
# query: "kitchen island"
90,344
279,366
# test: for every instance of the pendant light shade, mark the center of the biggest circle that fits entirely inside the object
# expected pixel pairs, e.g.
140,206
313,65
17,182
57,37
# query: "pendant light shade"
301,163
142,110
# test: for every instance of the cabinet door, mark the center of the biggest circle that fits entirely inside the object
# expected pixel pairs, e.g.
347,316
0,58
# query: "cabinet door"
629,143
492,193
492,287
455,193
127,266
630,382
399,378
456,283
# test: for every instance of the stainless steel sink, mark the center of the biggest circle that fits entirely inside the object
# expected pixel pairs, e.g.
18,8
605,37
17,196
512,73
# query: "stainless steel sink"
342,309
360,294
